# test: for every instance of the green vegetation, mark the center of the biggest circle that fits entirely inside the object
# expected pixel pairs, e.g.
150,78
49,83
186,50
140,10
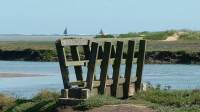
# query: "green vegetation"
160,100
152,45
162,35
21,45
188,42
190,35
170,100
45,101
104,36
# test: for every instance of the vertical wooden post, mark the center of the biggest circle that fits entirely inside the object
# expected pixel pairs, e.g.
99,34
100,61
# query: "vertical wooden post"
92,64
62,61
113,52
86,49
76,57
140,64
116,67
128,69
100,53
104,67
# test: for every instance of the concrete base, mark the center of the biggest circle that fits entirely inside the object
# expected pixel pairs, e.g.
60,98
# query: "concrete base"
78,93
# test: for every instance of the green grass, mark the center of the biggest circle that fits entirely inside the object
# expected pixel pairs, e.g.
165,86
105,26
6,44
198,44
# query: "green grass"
45,101
190,35
152,45
161,35
21,45
169,100
159,100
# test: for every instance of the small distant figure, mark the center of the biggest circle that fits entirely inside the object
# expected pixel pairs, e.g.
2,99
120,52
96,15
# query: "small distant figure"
101,32
65,32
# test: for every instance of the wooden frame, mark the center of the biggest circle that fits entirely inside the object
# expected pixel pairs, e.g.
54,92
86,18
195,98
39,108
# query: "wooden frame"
103,52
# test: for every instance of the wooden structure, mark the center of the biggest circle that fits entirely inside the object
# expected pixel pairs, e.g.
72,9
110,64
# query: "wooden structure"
103,52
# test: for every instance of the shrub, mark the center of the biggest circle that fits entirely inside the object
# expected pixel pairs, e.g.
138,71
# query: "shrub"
6,102
46,95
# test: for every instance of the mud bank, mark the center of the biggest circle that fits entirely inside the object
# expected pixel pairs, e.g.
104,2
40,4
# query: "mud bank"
152,57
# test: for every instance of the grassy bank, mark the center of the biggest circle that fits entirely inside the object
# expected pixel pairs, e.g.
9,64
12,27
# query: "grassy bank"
152,57
185,50
159,100
152,45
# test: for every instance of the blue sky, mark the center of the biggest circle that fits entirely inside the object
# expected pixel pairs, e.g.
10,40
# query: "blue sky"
89,16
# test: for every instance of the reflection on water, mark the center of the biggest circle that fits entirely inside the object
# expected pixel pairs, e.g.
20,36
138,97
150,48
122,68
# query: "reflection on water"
176,76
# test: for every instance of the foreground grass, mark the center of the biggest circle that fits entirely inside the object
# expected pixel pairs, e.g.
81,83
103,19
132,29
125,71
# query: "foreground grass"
45,101
159,100
169,100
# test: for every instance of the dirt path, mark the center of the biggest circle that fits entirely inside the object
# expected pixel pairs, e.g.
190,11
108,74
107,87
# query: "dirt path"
174,37
114,108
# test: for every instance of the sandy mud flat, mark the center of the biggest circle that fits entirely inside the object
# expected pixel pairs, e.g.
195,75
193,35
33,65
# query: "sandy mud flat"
12,75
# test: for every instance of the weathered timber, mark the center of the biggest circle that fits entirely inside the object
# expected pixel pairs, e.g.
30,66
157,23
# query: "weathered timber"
76,57
98,62
100,52
103,52
104,66
128,69
91,64
86,49
62,61
72,42
113,51
96,84
116,67
140,64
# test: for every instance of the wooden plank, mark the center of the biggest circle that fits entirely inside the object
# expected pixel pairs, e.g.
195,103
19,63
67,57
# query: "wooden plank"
140,64
128,69
116,67
76,63
76,57
98,62
97,83
92,64
104,66
113,51
100,52
86,49
72,42
81,41
62,61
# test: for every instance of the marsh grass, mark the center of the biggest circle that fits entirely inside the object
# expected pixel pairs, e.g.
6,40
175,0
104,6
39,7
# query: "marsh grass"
190,35
6,102
44,101
160,35
169,100
161,100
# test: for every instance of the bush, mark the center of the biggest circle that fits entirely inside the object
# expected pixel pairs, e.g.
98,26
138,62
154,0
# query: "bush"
171,97
6,102
46,95
190,35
